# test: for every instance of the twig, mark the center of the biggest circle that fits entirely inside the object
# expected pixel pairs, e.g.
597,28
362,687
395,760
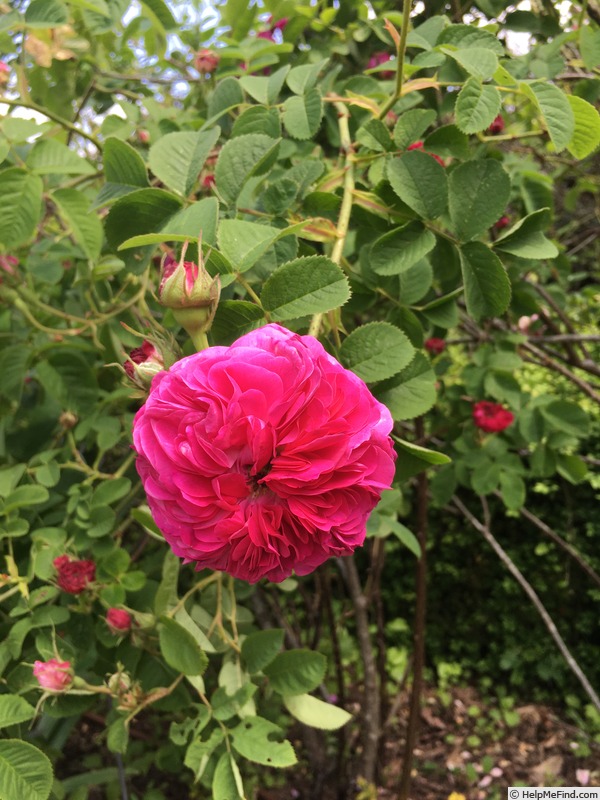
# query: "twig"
400,53
544,360
54,117
530,592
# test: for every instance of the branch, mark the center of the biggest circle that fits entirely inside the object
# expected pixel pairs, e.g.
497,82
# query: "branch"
55,117
530,592
544,360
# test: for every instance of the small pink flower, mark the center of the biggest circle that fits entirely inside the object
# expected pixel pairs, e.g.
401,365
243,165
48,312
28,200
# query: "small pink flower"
582,776
118,620
264,457
435,346
491,417
74,575
206,61
53,675
381,58
497,125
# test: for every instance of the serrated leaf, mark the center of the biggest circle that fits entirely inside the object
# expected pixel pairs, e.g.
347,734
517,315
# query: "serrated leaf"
21,200
240,159
123,165
589,45
25,772
487,287
399,249
257,87
275,83
411,125
555,109
586,136
243,243
479,193
258,119
233,319
260,648
526,238
302,114
310,285
259,741
412,392
375,135
296,671
179,648
49,157
84,225
416,282
477,105
227,95
14,710
477,61
177,158
302,79
46,14
316,713
376,351
198,218
448,141
420,182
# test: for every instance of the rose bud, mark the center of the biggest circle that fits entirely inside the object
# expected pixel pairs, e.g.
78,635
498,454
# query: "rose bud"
118,620
524,323
491,417
53,675
206,61
143,364
74,575
502,223
208,181
497,125
381,58
143,136
191,293
435,346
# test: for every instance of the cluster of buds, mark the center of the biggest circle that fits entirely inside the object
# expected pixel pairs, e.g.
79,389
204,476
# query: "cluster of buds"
206,61
191,293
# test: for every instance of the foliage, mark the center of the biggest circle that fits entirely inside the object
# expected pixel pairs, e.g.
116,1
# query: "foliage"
361,199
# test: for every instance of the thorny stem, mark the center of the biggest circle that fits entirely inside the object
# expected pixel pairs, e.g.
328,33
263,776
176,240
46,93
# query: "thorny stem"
346,207
406,9
484,529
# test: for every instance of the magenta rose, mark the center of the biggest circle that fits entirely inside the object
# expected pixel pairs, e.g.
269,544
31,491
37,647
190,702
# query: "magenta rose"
262,458
491,417
53,675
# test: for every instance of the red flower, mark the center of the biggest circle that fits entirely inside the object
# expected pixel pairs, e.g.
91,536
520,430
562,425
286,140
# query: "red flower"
435,346
53,675
491,417
381,58
497,125
502,223
118,620
73,575
206,61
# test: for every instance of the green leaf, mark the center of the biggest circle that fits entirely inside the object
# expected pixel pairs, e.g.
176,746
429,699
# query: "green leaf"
257,87
477,61
448,141
258,119
512,489
296,671
302,79
166,594
24,496
302,114
10,477
140,212
21,200
275,83
84,225
410,393
477,105
123,165
117,736
110,491
589,45
199,217
46,14
566,417
375,135
376,351
159,12
177,158
411,126
14,710
227,96
25,772
310,285
571,467
260,648
316,713
586,136
400,249
423,453
487,287
416,282
259,741
227,781
555,109
243,243
420,182
526,239
179,648
14,362
479,193
240,159
48,157
233,319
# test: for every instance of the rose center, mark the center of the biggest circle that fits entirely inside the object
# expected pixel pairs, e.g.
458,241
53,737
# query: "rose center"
254,480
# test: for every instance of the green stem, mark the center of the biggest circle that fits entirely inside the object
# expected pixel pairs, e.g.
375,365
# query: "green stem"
200,340
406,9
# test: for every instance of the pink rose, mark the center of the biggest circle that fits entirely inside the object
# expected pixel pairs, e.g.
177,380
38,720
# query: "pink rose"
491,417
118,620
263,457
53,675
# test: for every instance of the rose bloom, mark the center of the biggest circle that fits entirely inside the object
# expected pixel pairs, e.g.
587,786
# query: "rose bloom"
435,346
497,125
73,575
491,417
206,61
53,675
264,457
118,620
